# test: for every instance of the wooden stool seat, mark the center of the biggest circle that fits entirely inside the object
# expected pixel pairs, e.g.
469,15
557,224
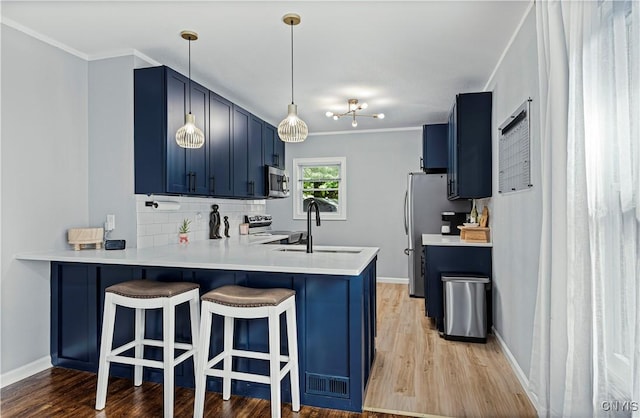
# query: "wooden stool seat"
248,303
142,295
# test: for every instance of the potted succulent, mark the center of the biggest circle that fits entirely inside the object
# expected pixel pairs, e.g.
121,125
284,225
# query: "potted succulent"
184,231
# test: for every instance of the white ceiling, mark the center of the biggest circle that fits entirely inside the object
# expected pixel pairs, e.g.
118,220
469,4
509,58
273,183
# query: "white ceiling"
406,59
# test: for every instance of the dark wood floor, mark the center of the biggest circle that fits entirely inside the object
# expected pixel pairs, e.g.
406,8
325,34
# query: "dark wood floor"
60,392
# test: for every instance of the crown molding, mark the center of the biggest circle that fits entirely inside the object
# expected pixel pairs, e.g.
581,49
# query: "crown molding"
123,53
506,49
39,36
94,57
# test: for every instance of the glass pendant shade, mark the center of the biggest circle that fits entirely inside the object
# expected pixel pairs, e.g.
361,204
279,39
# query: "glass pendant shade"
292,128
189,135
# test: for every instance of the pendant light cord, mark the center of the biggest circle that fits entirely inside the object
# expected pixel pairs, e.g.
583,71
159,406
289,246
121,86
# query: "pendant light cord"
189,75
291,24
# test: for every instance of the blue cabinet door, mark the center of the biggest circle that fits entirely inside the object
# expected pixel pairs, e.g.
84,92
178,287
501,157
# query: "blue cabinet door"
248,163
273,147
186,168
268,141
255,159
220,146
198,158
241,120
434,148
470,164
278,147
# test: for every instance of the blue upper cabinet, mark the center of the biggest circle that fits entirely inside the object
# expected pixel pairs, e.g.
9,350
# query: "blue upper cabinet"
231,162
220,146
434,148
161,101
241,120
248,164
273,147
255,158
187,168
469,156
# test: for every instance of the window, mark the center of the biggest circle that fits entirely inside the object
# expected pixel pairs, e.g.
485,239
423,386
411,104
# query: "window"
321,179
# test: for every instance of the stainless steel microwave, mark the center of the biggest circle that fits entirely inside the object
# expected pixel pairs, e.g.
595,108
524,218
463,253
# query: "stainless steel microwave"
277,182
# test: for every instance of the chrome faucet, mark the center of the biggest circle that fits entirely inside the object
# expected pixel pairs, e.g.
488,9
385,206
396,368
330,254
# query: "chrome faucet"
313,203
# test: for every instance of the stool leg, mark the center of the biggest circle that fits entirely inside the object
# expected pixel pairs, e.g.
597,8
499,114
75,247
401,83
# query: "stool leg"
292,341
106,342
194,312
168,335
228,347
274,361
202,356
139,350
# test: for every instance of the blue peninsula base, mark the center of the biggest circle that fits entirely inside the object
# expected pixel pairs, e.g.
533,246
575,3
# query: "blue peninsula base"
336,322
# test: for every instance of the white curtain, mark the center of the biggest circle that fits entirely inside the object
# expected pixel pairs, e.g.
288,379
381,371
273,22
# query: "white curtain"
586,353
549,349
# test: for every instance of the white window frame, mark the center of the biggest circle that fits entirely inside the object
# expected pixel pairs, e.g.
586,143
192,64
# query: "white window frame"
298,165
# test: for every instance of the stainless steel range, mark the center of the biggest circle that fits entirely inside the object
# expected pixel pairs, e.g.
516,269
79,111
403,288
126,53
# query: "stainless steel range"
260,225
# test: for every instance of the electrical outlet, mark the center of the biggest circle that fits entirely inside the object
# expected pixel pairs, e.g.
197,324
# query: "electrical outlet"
110,225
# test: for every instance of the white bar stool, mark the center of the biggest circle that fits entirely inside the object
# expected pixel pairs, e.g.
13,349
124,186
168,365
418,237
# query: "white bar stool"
142,295
248,303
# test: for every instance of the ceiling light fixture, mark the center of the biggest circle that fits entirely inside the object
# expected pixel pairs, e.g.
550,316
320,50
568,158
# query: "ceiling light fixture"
189,135
292,128
353,108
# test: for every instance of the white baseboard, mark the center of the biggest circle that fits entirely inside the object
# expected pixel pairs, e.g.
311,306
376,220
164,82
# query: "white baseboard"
25,371
393,280
522,377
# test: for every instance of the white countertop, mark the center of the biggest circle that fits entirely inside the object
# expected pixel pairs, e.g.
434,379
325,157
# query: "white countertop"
235,253
451,240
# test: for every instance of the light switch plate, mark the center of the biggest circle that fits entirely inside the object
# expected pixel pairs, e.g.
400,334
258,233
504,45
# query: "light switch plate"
110,225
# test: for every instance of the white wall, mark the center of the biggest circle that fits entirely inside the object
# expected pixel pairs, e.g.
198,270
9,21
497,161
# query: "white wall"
44,182
111,174
377,167
516,218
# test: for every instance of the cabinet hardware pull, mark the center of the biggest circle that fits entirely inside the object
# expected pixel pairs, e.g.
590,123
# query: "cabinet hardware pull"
212,184
194,182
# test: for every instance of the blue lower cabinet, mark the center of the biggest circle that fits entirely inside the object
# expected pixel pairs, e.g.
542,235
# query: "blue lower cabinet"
335,324
452,259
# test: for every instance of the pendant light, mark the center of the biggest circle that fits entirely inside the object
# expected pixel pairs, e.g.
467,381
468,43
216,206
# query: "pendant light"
292,128
189,135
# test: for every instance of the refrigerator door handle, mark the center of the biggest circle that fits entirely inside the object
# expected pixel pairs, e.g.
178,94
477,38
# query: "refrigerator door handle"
406,208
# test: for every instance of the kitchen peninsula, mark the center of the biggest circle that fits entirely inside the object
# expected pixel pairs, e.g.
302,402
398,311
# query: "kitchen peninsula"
335,304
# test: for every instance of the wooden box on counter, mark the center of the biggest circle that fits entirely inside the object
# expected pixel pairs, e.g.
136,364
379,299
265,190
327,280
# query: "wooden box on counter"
85,236
474,233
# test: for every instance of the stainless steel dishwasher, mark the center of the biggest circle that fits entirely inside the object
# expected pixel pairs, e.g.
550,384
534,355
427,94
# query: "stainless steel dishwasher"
465,306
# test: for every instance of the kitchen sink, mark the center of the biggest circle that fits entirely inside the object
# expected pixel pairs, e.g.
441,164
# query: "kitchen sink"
321,250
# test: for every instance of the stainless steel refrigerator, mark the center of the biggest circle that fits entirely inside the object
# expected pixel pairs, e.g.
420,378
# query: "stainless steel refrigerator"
424,202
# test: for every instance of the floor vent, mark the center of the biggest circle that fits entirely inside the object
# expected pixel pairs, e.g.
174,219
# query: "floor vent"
318,384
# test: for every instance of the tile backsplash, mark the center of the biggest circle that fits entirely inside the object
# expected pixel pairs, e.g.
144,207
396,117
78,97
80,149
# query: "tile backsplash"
160,227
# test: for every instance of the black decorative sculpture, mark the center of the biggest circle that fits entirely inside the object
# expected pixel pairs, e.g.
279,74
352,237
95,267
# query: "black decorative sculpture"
214,223
226,226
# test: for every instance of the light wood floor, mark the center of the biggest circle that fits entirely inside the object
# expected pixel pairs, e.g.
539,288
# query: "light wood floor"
418,373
